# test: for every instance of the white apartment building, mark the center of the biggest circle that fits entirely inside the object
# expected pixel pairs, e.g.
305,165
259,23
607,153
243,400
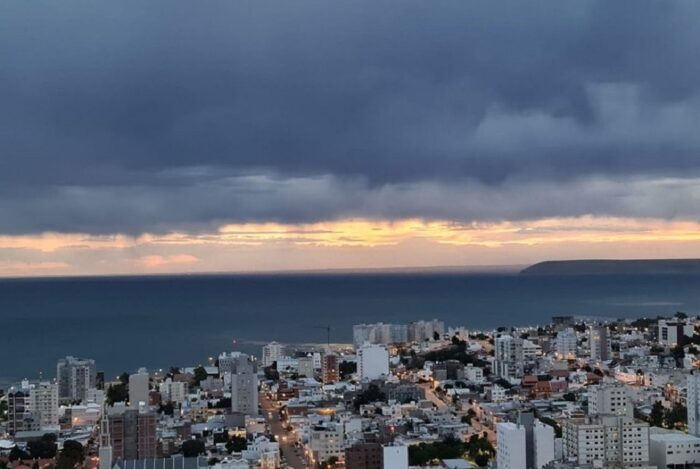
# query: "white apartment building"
670,332
138,388
609,398
173,391
271,353
693,388
395,457
528,444
473,373
530,350
372,362
419,331
543,444
43,403
672,448
566,344
379,333
510,453
326,441
265,453
509,357
305,366
607,440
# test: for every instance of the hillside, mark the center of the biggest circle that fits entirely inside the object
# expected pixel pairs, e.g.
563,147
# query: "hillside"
612,266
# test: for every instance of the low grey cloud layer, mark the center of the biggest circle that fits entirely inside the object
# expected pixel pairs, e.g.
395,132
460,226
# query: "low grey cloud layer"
133,117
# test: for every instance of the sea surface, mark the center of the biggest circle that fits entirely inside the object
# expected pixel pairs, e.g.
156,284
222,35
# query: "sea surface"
162,321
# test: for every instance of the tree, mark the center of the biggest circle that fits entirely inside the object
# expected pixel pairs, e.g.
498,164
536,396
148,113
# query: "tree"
168,408
569,396
117,393
17,454
369,395
124,378
656,417
236,444
481,460
330,462
436,335
200,374
43,448
503,383
346,369
71,455
676,416
193,448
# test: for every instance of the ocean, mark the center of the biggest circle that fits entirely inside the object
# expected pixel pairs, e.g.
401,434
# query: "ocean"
162,321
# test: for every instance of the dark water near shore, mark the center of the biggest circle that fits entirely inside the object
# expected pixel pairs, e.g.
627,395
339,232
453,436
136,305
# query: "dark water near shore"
127,322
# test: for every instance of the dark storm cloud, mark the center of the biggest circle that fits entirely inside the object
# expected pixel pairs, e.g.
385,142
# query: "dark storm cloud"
138,116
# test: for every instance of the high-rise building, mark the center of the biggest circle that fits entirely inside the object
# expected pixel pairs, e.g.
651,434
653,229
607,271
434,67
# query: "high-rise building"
305,366
75,377
511,446
693,388
528,444
271,353
241,374
419,331
138,388
132,433
599,340
43,403
509,357
372,362
606,441
609,398
379,333
105,452
19,414
32,407
329,369
566,344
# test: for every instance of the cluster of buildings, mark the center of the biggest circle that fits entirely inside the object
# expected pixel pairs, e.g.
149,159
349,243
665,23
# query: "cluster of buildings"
577,393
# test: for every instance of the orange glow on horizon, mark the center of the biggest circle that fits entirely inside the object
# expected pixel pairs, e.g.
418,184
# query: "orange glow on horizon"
165,252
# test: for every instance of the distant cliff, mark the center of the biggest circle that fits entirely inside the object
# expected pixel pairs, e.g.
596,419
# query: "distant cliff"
610,266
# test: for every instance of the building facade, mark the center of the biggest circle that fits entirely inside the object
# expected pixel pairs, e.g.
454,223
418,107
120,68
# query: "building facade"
610,441
372,362
329,369
599,340
75,377
509,358
132,433
271,353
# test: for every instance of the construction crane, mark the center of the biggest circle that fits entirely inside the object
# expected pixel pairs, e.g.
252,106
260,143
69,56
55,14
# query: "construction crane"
328,330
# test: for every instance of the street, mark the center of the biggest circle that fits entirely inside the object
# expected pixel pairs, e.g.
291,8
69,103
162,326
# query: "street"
293,455
432,397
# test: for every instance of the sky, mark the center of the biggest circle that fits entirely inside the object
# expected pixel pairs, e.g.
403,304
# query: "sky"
168,136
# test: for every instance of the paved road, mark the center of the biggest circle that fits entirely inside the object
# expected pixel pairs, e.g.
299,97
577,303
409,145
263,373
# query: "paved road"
432,397
286,439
